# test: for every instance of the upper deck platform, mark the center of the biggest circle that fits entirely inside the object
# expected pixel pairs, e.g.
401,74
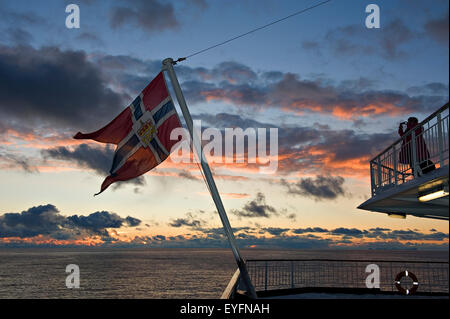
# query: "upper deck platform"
410,177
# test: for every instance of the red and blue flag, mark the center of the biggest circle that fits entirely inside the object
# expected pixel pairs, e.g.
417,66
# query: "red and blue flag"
141,133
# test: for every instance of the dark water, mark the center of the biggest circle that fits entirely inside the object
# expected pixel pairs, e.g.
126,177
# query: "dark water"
148,273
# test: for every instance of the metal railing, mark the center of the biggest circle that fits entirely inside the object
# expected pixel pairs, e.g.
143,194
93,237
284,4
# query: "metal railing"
422,149
326,273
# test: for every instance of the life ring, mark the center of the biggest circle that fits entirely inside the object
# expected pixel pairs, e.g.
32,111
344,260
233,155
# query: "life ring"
398,284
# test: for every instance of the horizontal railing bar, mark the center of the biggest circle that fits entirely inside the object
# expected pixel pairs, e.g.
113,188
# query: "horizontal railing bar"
391,169
354,260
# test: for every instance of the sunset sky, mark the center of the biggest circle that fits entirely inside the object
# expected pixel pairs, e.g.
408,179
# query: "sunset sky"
335,90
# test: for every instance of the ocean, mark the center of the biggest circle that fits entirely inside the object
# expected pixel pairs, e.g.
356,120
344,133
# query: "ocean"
149,273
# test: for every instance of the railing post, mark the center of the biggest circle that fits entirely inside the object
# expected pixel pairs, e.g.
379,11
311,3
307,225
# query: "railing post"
379,171
292,274
440,140
414,153
372,179
265,276
394,154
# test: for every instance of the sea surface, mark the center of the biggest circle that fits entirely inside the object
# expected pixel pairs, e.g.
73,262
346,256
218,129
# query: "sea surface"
149,273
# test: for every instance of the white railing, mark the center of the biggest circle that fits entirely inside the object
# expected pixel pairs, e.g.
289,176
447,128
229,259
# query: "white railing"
414,154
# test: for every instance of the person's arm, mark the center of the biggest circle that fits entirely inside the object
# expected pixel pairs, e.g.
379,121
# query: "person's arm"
400,130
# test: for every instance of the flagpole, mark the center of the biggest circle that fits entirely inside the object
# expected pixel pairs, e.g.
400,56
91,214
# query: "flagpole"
168,66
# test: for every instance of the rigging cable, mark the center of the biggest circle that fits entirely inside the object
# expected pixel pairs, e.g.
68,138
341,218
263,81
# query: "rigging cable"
254,30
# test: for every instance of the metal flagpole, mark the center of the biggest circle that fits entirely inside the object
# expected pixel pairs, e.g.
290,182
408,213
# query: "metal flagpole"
168,66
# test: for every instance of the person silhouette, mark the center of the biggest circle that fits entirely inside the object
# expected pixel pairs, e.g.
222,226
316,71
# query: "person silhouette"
422,153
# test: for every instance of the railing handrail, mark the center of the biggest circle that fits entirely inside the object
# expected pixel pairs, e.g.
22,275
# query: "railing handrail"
441,109
390,168
353,260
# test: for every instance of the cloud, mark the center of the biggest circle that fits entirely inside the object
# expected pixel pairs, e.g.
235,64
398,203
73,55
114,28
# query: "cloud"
322,187
21,18
256,208
39,220
187,175
399,33
150,15
352,40
46,220
99,159
350,232
275,231
438,29
98,222
49,87
191,220
295,95
433,88
310,230
90,37
12,160
238,84
18,36
132,222
315,147
45,226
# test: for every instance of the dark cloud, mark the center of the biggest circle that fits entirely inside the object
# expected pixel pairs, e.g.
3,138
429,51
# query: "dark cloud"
50,87
391,41
322,187
46,220
191,220
12,160
150,15
98,221
98,159
349,232
21,18
293,94
90,37
256,208
39,220
132,222
433,88
275,231
18,36
238,84
352,40
310,230
316,146
159,237
438,29
188,175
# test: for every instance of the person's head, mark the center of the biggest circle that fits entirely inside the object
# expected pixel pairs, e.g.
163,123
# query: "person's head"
412,121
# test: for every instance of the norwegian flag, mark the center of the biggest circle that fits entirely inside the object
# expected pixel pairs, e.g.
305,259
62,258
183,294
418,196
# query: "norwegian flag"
141,133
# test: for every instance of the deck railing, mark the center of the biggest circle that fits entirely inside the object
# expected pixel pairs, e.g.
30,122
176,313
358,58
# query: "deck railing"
326,273
412,155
